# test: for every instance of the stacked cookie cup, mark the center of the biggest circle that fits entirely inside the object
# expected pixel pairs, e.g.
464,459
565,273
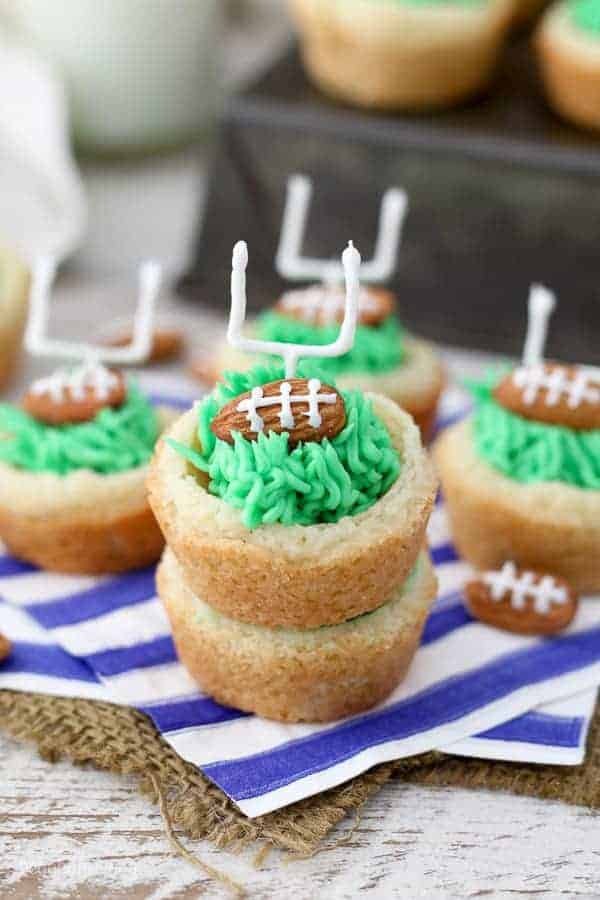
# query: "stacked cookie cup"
295,622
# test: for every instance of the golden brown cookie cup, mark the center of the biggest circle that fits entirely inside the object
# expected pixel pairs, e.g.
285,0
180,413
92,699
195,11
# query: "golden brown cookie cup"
293,576
569,61
416,385
401,56
82,523
548,527
14,291
297,675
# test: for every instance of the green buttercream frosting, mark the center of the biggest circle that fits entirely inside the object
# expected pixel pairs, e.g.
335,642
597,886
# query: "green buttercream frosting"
529,451
115,440
314,482
376,348
586,15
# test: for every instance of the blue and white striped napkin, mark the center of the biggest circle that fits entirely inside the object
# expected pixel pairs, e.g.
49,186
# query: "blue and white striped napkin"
472,690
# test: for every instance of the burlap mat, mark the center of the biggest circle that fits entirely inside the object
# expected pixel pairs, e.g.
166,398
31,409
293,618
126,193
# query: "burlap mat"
121,740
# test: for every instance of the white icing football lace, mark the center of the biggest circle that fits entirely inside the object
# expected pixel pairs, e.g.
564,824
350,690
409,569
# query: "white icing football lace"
545,592
324,302
90,376
285,399
557,383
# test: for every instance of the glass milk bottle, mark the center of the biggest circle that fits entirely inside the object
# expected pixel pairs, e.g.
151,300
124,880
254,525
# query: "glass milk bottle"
141,74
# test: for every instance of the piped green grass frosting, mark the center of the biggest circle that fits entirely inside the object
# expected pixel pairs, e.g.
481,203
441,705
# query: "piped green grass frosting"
114,441
376,348
529,451
314,482
586,15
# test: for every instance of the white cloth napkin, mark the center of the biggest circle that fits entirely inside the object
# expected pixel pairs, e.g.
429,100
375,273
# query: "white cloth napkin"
42,202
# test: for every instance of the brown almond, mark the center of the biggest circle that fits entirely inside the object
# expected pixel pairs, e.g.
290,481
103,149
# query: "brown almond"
551,407
236,416
527,620
71,410
5,648
322,305
167,343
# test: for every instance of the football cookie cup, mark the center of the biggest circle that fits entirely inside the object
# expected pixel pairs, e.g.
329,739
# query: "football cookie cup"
296,675
82,523
415,385
14,289
546,526
293,576
401,55
569,60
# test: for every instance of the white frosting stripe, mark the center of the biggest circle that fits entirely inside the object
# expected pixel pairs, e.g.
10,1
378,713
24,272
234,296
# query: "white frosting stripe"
558,383
545,592
90,376
324,303
286,399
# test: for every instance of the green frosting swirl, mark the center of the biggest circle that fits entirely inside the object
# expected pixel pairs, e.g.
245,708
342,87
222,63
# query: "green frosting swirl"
376,348
314,482
585,14
114,441
530,452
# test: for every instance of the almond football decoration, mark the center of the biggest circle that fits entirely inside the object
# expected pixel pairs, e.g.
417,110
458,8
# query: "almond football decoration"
5,648
67,398
167,343
323,305
521,601
304,408
552,393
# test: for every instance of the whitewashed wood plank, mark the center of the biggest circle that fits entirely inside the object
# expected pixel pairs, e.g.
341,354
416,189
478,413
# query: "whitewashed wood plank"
73,833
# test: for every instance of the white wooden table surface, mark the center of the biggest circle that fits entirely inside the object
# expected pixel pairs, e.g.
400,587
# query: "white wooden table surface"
77,833
72,833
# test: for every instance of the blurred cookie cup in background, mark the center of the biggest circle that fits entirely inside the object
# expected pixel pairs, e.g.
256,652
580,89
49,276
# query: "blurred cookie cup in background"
568,50
401,54
82,521
521,475
74,452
